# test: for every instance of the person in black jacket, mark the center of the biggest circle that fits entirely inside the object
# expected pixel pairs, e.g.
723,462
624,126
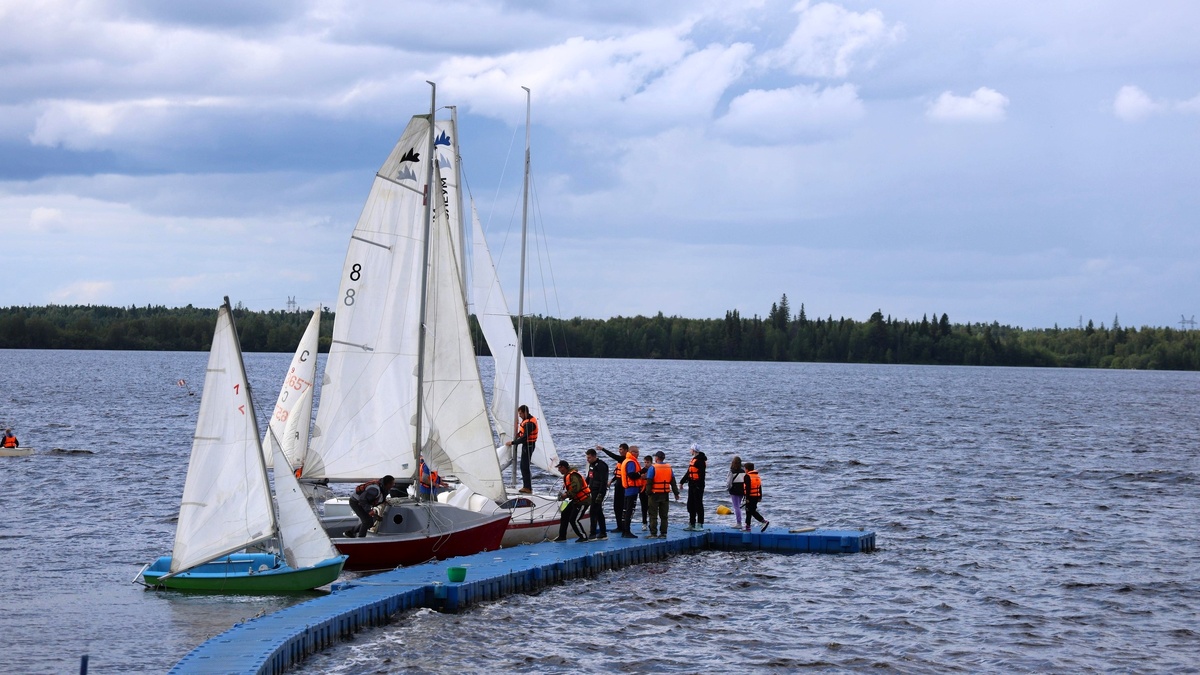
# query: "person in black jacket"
619,489
694,480
364,499
597,479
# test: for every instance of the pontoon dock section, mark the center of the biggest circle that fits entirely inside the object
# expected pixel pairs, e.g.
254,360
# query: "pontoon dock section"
275,642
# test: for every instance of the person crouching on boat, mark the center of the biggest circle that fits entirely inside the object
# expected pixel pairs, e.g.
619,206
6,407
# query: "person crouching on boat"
576,490
10,441
365,498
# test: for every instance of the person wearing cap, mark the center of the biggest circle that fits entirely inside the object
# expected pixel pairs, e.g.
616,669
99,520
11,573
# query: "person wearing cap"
597,480
10,441
576,491
694,480
661,483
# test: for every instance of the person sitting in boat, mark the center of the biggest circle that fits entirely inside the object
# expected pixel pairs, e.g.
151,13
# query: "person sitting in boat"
430,483
10,441
364,499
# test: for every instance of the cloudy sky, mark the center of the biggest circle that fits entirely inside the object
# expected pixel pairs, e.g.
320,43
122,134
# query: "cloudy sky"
1019,161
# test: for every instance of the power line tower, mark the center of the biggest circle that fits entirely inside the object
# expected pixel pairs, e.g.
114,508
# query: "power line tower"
1187,324
291,303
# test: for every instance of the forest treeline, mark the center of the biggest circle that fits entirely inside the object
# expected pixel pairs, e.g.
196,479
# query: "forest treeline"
779,336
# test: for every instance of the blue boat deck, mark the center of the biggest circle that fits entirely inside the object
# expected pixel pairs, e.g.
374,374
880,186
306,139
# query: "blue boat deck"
278,641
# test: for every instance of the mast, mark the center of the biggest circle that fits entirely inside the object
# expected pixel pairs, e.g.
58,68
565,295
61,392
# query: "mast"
429,197
521,292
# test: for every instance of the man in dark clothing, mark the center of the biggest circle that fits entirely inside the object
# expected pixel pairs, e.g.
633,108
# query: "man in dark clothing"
527,435
618,488
694,479
576,492
366,497
597,480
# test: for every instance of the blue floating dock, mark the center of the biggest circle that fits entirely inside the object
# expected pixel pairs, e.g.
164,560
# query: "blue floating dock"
273,643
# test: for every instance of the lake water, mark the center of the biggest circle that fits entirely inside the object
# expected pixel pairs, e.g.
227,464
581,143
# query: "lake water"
1026,519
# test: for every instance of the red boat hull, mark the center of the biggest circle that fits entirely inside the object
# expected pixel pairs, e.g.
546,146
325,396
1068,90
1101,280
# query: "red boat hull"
440,538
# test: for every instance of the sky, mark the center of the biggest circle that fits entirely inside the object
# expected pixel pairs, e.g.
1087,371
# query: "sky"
1030,163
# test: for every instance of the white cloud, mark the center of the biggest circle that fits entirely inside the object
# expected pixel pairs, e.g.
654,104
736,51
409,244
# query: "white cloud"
829,41
1132,104
82,293
983,105
42,218
787,115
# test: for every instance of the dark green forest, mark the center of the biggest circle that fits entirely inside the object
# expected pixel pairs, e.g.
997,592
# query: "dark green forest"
779,336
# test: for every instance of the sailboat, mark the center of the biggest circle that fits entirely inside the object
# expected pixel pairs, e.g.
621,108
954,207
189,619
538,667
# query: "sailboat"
226,510
401,383
535,517
292,416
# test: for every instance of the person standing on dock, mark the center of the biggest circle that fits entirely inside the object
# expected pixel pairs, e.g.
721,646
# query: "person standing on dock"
753,487
597,480
576,491
661,481
365,498
632,482
619,487
736,487
694,480
527,435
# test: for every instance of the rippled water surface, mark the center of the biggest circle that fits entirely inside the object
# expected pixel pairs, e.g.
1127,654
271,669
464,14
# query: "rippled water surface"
1027,520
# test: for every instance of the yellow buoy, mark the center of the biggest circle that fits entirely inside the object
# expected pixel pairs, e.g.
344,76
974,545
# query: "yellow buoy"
723,510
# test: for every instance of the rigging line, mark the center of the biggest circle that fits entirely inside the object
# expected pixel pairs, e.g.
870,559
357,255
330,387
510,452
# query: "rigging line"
397,183
539,224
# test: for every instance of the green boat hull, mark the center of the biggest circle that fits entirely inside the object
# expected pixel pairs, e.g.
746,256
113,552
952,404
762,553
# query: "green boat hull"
245,573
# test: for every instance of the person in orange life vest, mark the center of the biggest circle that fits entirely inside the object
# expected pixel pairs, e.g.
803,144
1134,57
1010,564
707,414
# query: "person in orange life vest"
752,485
429,483
618,486
10,441
694,479
660,483
527,434
597,481
633,480
365,498
576,491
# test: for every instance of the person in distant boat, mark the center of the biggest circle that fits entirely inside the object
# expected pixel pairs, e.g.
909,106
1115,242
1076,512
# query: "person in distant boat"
527,434
694,480
10,441
618,487
429,483
736,487
660,482
576,491
753,487
633,480
364,499
597,480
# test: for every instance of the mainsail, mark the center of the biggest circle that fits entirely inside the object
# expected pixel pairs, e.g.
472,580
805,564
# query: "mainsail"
303,542
292,415
226,502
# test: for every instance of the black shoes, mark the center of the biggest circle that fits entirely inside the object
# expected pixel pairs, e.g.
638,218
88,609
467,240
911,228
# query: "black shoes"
764,527
629,535
581,540
559,539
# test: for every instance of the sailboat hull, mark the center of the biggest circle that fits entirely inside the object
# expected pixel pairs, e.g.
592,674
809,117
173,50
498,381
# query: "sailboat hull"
245,573
414,533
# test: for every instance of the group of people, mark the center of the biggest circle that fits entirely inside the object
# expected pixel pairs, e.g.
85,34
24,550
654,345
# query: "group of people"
651,485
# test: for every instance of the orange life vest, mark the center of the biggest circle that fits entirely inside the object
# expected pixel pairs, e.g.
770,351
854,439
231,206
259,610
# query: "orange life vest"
755,488
10,441
582,494
662,479
693,470
529,428
637,481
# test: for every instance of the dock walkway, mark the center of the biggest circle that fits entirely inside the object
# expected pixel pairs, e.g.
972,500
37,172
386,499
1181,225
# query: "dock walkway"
273,643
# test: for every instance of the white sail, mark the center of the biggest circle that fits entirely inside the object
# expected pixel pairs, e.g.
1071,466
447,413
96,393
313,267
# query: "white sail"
293,409
226,502
303,542
491,310
364,426
459,439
